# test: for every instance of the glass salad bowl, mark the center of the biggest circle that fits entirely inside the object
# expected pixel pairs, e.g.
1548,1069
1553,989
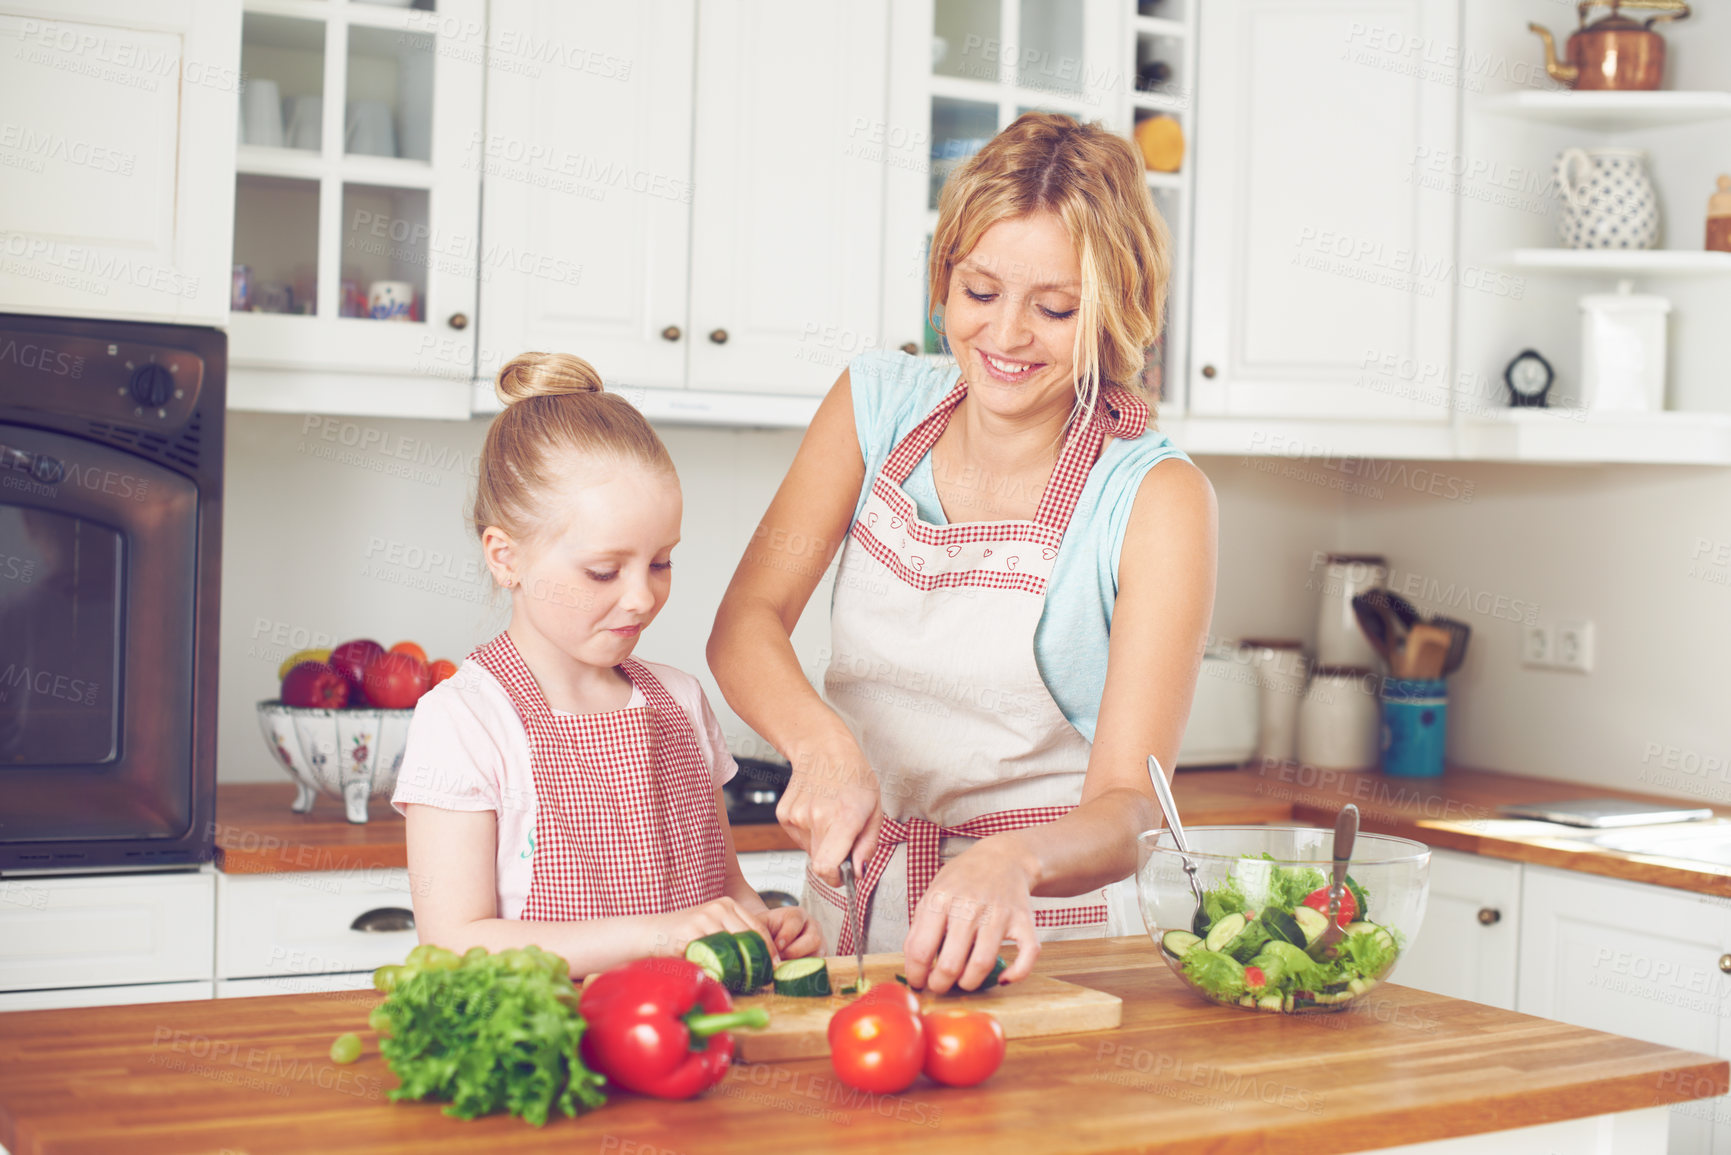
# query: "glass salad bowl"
1265,900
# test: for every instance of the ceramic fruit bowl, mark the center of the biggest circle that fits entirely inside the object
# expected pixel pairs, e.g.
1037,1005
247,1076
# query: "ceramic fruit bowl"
1265,901
351,754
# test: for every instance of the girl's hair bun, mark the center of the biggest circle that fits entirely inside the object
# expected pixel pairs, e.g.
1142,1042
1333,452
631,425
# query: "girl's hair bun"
545,375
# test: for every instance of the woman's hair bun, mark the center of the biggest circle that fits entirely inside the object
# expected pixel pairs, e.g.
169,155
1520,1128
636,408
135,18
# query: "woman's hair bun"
545,375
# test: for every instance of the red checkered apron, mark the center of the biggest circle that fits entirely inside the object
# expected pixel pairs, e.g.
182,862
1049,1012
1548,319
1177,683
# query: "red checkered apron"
625,818
934,671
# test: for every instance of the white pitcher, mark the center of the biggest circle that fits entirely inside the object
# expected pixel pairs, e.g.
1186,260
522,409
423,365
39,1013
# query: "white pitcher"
1608,199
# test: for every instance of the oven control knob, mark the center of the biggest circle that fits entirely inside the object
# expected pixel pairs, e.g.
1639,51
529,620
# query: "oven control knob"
151,385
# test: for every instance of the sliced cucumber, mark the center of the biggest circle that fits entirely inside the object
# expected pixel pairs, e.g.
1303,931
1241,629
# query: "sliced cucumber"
1271,1002
1359,895
1247,1001
1178,943
755,952
1199,922
719,956
1224,932
802,978
1311,921
1360,986
1386,939
987,983
1283,926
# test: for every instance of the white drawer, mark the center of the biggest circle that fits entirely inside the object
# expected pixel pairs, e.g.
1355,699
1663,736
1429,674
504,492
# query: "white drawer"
299,985
105,996
303,923
782,870
106,930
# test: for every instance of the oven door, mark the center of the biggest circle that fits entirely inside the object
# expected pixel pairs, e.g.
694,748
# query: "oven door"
98,565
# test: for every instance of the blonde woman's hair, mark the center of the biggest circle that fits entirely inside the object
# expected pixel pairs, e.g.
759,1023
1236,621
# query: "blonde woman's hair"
557,420
1093,181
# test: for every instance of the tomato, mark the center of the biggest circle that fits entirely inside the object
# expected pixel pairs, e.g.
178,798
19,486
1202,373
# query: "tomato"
963,1048
877,1046
442,669
396,681
1318,900
1254,978
893,993
410,648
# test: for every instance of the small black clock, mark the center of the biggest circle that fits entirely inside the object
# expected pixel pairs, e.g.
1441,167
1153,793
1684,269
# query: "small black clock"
1529,377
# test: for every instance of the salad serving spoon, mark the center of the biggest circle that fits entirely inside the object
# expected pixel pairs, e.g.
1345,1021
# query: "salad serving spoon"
1345,834
1169,807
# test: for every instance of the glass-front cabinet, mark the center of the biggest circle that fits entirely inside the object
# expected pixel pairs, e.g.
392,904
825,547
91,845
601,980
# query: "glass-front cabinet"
356,254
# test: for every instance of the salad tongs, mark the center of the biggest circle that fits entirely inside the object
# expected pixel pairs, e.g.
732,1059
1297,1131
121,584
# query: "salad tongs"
1169,807
1345,834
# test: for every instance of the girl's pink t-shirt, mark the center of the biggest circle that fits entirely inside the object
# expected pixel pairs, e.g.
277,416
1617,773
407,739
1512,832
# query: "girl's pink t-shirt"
467,750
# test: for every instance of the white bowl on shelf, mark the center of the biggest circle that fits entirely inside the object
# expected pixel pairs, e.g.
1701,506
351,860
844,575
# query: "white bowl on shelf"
350,754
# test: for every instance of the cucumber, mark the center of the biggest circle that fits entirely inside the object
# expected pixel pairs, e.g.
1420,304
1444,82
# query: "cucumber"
1283,926
1224,932
719,956
1371,928
1311,921
1177,943
1199,922
806,978
987,983
1271,1003
755,952
1360,896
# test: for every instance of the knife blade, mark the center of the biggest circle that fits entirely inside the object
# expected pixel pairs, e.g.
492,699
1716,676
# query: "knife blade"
853,926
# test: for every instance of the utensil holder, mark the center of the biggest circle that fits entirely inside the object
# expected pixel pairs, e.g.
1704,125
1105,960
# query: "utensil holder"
1414,726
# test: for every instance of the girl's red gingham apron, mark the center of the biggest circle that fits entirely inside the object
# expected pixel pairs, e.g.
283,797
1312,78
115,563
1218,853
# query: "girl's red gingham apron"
934,672
625,818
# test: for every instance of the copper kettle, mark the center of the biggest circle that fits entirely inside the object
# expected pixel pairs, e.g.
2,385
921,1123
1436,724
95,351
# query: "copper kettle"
1613,53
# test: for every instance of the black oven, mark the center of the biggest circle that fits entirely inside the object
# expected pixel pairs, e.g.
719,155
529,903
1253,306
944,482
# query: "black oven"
110,539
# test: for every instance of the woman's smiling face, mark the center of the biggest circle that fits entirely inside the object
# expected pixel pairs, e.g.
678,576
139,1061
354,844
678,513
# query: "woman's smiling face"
1012,313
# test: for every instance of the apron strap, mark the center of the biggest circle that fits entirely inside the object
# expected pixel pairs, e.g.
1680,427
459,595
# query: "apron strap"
1117,413
500,658
923,839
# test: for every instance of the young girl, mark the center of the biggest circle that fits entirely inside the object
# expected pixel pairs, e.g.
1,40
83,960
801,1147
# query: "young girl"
556,791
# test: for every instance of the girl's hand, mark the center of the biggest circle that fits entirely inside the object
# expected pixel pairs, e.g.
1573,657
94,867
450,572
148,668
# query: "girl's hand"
832,807
669,934
796,936
977,900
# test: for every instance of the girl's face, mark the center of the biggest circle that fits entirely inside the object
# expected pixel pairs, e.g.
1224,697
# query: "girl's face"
1011,316
595,579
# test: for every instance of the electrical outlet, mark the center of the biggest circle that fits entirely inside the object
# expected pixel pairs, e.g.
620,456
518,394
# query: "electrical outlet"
1574,648
1537,646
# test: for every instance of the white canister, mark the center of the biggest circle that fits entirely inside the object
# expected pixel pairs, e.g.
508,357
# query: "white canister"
1280,676
1623,350
1339,641
1340,719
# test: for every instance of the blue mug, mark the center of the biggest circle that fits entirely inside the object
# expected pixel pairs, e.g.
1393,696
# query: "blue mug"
1414,726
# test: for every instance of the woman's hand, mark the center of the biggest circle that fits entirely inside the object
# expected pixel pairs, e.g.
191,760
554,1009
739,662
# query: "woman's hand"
832,806
977,900
667,935
796,936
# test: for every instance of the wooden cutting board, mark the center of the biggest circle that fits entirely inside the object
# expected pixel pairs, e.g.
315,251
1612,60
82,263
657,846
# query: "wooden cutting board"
1038,1005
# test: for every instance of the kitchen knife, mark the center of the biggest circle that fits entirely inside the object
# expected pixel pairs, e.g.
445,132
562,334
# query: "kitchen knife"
853,922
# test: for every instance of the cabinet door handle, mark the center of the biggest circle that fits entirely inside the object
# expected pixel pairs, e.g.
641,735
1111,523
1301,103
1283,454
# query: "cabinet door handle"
1490,916
1725,963
719,336
458,321
384,918
1209,371
671,333
911,349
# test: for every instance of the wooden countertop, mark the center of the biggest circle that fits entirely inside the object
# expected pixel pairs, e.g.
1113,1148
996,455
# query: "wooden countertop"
1403,1066
257,833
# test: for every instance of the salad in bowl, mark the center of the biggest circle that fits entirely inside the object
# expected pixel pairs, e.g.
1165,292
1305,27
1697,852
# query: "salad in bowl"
1253,940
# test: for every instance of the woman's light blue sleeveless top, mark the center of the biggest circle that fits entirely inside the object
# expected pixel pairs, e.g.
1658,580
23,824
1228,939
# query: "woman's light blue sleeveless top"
893,392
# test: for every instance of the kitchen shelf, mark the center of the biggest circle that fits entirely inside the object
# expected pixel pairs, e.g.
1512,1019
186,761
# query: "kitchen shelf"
1159,102
1159,26
1612,111
1316,442
692,406
1165,180
1560,435
1623,262
301,164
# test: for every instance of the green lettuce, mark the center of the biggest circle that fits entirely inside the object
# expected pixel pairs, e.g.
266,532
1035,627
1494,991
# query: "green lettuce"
1218,975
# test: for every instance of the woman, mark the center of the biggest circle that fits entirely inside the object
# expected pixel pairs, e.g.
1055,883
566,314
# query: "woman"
1026,580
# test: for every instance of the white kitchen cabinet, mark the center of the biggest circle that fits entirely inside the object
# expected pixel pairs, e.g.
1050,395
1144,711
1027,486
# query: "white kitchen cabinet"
110,929
682,215
115,145
356,221
67,998
1643,961
313,922
1324,275
1469,943
299,985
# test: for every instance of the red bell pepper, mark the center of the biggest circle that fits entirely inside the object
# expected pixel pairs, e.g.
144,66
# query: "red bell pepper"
658,1026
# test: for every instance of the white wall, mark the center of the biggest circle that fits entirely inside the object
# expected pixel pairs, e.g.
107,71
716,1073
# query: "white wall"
338,528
